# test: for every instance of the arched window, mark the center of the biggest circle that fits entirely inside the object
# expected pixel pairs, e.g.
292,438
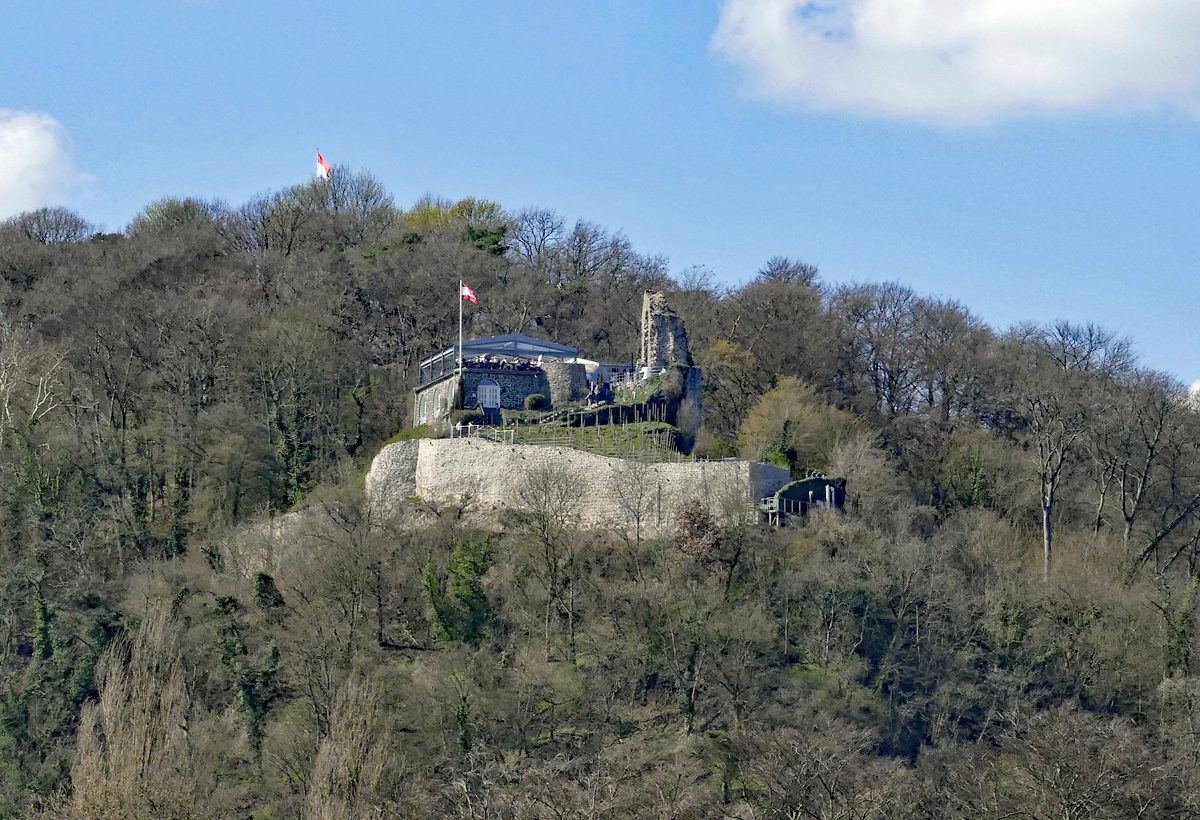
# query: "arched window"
437,406
424,410
489,394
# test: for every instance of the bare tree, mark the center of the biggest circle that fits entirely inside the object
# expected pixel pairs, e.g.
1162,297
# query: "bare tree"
363,208
633,485
1067,763
825,772
170,216
537,233
878,354
133,757
52,225
950,343
351,762
30,382
549,496
779,320
791,271
1128,443
1066,370
1175,502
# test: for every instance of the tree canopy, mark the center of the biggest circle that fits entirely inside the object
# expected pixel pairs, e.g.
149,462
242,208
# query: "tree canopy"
203,618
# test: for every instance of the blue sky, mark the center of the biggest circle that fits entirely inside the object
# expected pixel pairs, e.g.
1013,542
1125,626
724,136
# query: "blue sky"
1033,164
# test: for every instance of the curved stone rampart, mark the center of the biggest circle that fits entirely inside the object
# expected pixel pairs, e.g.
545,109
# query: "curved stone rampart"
599,491
568,382
393,474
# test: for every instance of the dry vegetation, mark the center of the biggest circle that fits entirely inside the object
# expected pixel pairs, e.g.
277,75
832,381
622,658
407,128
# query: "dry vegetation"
1002,624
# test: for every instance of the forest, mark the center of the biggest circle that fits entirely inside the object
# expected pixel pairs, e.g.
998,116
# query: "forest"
1001,624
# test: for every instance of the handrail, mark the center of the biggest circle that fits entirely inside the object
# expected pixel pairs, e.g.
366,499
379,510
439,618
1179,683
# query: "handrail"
485,431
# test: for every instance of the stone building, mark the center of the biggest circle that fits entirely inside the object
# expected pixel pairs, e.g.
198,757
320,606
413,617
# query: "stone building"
498,373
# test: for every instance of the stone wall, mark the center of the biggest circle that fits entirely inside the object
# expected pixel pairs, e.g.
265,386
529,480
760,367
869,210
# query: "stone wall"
606,492
664,339
431,397
693,386
393,474
515,385
568,382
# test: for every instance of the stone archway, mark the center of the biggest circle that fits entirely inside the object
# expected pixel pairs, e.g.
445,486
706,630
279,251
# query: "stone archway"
488,393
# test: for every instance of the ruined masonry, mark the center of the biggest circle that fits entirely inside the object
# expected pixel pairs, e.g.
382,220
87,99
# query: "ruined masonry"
665,344
604,489
664,339
440,471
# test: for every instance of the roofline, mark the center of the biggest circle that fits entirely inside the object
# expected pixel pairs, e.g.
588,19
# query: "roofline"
500,343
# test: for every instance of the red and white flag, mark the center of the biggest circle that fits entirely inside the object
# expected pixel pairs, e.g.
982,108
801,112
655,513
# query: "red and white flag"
323,169
469,294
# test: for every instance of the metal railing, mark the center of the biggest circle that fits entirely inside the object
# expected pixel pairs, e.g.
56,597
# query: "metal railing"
775,508
785,505
500,435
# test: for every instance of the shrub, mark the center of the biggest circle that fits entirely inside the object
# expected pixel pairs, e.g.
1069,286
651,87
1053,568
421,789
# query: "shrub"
537,401
423,431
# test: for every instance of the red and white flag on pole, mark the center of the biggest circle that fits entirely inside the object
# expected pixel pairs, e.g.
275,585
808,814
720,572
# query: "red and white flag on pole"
323,169
469,294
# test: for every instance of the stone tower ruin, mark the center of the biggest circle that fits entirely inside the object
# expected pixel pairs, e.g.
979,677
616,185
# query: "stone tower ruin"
664,339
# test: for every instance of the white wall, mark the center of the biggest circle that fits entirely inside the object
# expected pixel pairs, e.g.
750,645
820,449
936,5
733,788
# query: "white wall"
604,491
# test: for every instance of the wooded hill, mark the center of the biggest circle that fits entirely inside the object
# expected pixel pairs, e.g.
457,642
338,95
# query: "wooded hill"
1002,624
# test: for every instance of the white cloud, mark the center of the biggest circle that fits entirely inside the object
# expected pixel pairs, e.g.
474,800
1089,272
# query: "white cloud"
966,61
35,169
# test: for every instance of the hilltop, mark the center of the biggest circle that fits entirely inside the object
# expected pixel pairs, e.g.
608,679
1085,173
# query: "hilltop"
203,616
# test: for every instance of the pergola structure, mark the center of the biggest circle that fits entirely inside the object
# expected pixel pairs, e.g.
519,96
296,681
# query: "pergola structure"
509,346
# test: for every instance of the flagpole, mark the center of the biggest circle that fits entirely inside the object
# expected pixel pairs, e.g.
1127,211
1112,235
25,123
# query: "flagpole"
460,309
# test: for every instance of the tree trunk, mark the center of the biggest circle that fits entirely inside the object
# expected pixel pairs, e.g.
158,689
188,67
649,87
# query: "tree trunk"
571,623
1047,510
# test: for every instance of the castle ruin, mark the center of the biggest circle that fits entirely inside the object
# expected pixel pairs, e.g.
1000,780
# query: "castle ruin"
664,339
499,372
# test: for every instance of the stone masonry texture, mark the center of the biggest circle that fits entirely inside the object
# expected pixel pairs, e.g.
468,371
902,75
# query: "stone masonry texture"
568,382
664,339
515,385
604,492
442,393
